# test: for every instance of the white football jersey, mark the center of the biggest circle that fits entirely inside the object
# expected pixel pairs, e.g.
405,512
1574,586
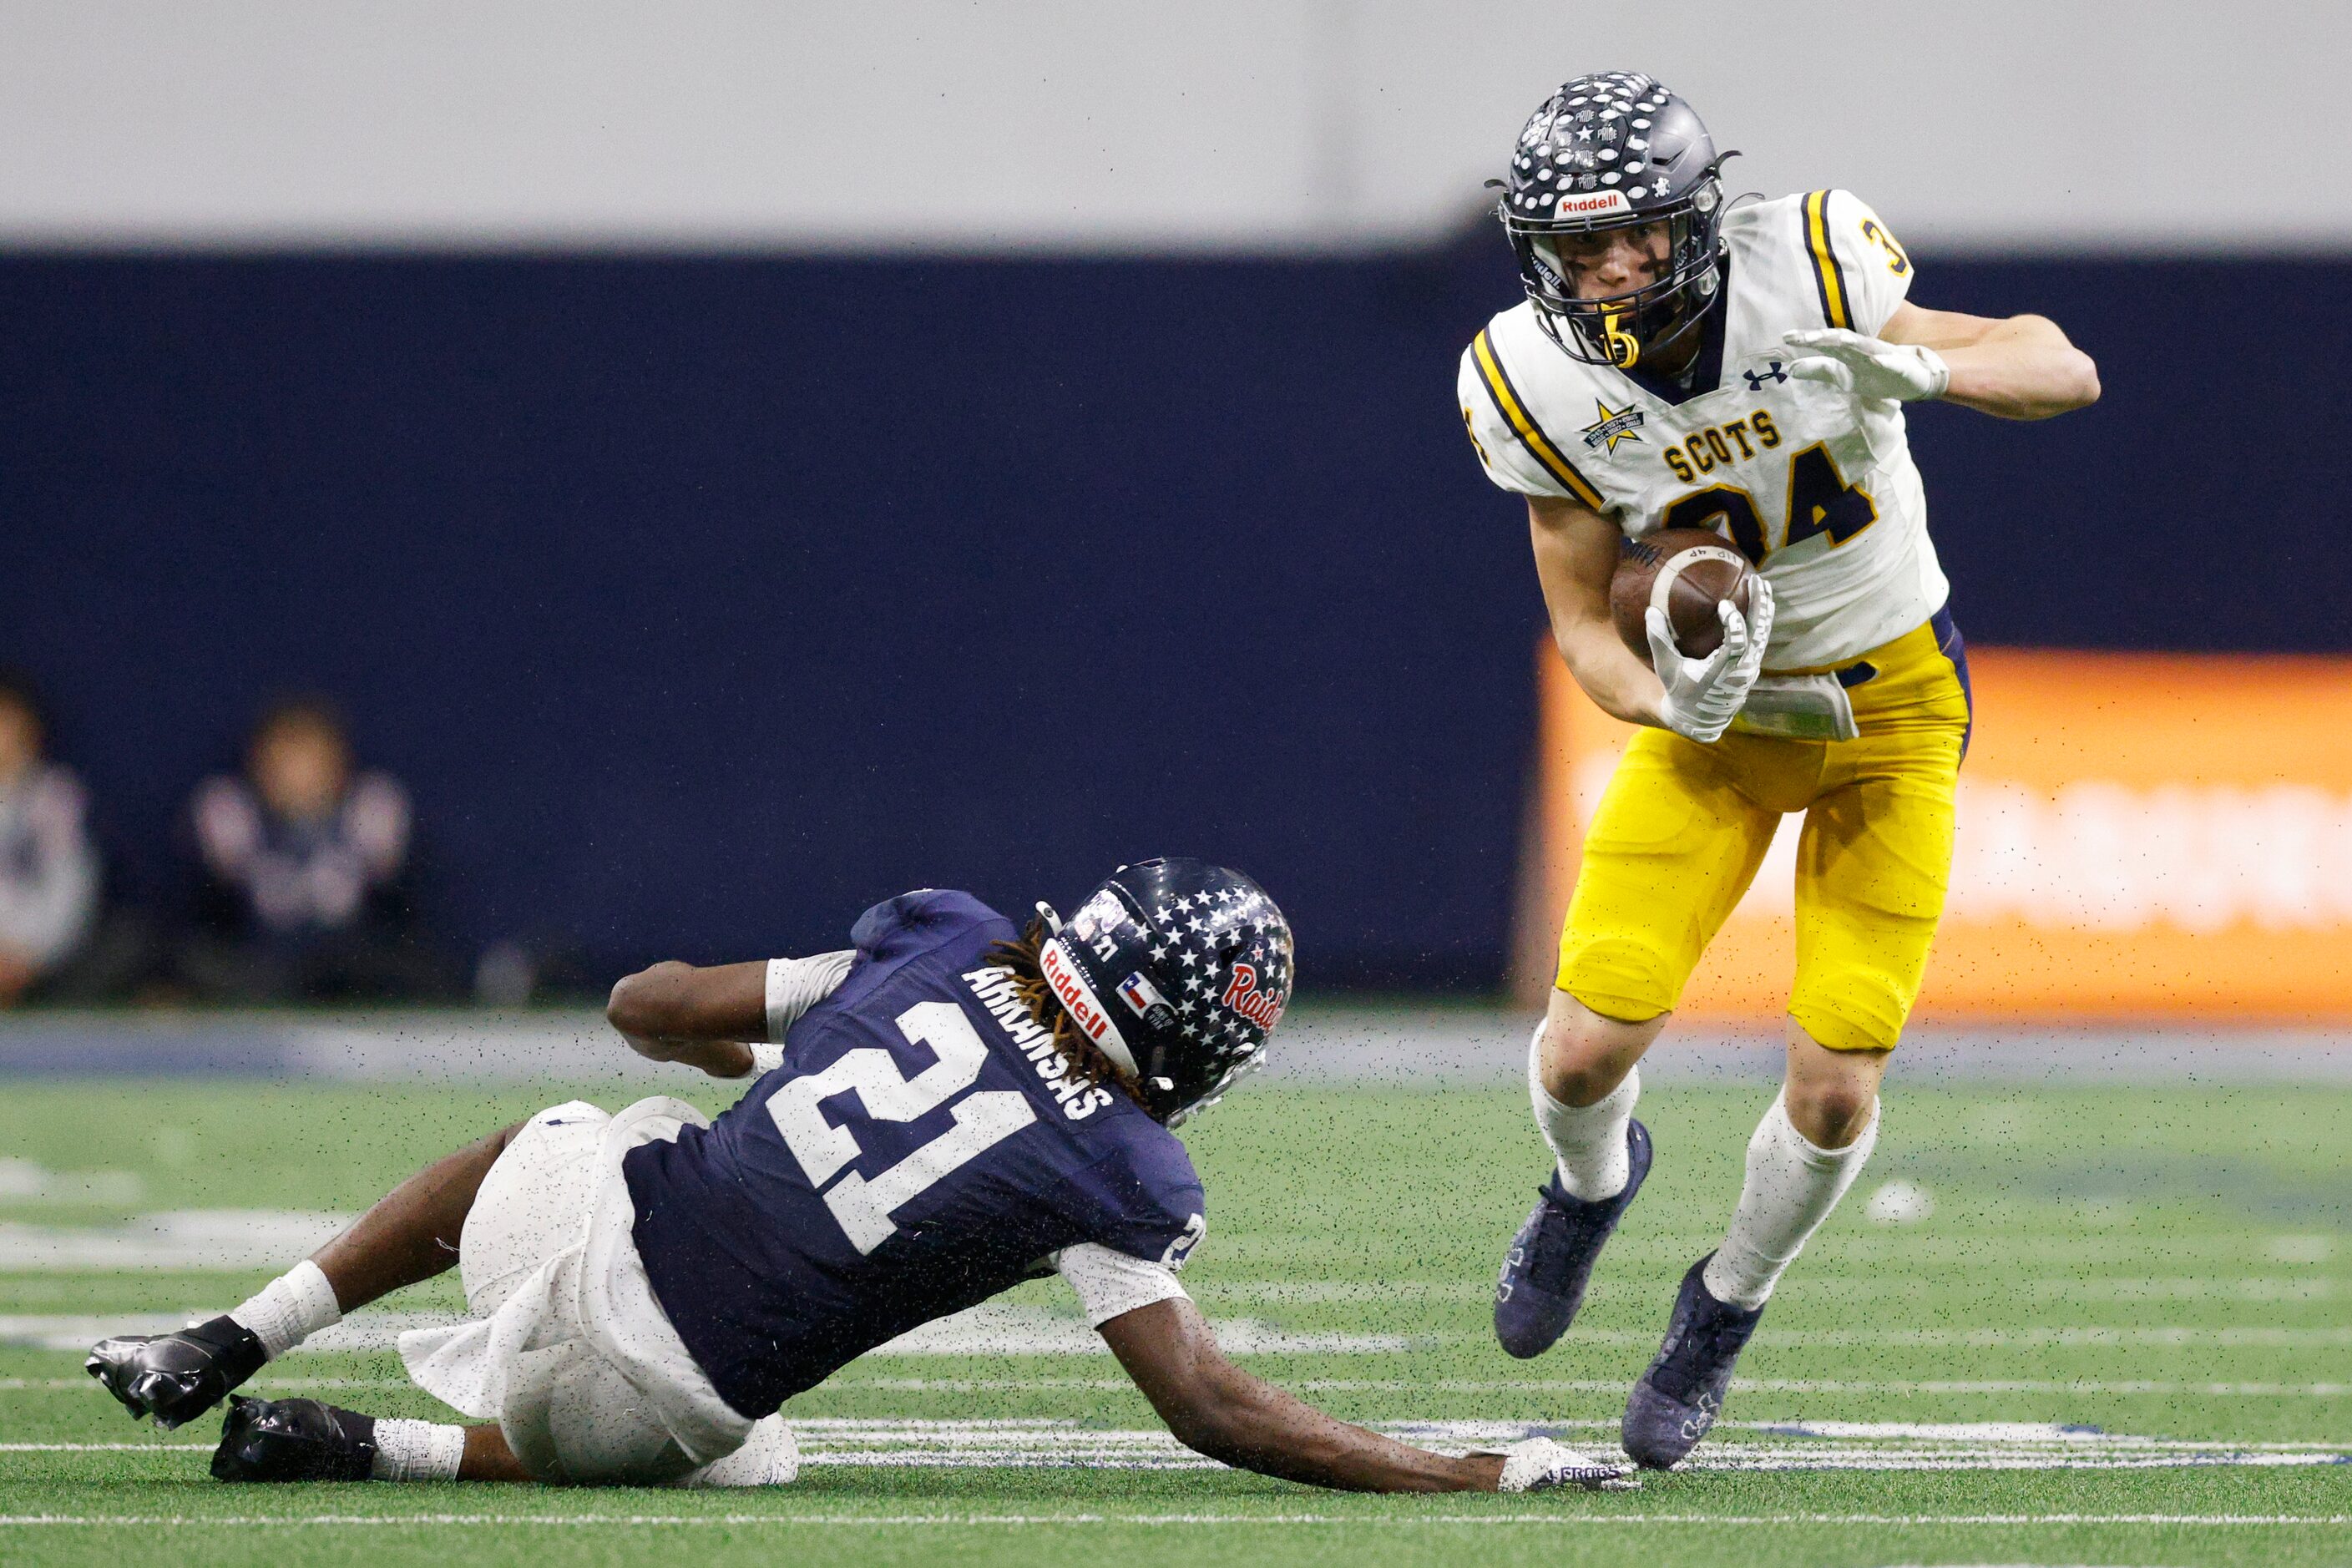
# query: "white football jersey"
1813,484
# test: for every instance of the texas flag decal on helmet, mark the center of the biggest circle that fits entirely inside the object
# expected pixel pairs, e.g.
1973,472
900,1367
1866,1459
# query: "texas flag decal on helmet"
1142,996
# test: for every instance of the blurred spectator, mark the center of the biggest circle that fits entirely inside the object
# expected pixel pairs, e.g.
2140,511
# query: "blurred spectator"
306,873
49,869
56,942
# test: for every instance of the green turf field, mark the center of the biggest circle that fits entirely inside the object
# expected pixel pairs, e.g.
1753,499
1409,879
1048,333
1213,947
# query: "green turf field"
2167,1265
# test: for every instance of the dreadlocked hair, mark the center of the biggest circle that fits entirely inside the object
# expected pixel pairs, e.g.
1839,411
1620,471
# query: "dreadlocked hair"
1021,959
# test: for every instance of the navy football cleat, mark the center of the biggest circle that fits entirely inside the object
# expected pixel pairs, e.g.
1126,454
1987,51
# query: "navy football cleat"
176,1377
1550,1261
293,1441
1678,1399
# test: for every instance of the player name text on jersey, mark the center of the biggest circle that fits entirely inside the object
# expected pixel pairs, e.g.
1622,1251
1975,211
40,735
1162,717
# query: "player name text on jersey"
993,988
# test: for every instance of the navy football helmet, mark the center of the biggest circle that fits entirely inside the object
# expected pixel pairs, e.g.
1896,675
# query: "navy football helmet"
1606,152
1178,971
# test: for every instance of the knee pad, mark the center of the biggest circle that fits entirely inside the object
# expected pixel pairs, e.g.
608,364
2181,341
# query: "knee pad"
1627,978
1856,1012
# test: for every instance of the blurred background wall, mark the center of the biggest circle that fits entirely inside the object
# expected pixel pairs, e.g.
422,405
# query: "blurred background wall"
735,462
1238,124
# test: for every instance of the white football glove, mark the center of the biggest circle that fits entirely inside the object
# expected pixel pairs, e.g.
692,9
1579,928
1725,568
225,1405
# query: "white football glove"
1703,694
1540,1465
1869,367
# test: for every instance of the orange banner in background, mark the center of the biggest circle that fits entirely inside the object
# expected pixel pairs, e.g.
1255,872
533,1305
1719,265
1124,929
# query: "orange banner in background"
2140,836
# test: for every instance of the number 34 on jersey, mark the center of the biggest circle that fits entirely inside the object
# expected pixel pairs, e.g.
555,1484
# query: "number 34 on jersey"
1815,498
1815,485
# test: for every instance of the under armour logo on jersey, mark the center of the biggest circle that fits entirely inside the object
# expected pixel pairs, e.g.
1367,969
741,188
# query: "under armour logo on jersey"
1756,379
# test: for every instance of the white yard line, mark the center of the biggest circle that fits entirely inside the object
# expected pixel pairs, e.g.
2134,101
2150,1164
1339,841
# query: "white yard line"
106,1447
1901,1283
991,1329
1614,1386
371,1329
2074,1334
1001,1329
1034,1442
1572,1520
1823,1445
29,1385
182,1239
1903,1386
2185,1288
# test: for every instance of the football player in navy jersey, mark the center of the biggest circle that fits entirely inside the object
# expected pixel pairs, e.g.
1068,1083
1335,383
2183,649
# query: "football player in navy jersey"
945,1108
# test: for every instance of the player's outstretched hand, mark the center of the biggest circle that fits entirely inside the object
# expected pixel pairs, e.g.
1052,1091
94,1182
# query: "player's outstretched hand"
1540,1465
1869,367
1703,694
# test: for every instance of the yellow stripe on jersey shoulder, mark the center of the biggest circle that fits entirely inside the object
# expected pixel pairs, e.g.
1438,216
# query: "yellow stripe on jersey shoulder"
1514,414
1829,278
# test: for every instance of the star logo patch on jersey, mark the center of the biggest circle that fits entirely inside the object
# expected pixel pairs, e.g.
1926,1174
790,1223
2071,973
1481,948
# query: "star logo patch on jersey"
1614,424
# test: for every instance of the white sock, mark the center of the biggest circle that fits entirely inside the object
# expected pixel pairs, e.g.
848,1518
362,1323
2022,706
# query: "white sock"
1792,1185
1587,1140
416,1451
290,1308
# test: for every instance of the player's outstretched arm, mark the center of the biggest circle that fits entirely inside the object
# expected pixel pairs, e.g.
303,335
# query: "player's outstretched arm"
675,1012
1213,1407
2022,367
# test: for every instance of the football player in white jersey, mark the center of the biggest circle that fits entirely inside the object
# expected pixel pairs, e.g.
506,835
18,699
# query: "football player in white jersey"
1682,361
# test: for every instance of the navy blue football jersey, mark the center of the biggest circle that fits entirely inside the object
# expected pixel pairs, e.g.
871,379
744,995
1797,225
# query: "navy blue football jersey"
920,1148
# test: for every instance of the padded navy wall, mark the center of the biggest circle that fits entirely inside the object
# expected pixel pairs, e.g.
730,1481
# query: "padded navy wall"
703,601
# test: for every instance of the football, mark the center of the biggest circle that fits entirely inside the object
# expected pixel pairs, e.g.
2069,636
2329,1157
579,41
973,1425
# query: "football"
1686,571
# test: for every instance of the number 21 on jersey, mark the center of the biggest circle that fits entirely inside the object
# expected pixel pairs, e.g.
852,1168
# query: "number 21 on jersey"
863,1206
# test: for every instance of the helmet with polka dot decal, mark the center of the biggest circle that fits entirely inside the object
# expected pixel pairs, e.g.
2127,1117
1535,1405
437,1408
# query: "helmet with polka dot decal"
1608,151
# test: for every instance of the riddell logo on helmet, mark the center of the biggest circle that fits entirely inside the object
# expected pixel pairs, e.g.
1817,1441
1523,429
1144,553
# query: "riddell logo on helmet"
1592,204
1243,996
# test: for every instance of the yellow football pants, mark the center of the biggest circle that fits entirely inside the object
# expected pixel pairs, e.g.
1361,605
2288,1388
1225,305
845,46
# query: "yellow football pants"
1683,827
